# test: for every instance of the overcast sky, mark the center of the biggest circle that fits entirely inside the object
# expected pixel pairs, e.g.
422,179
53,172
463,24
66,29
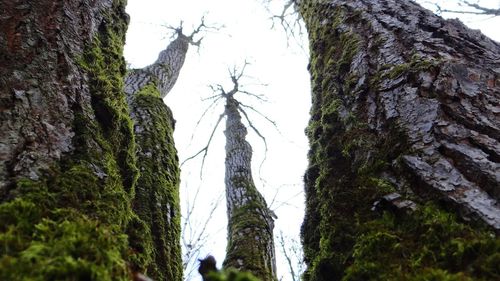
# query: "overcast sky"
247,34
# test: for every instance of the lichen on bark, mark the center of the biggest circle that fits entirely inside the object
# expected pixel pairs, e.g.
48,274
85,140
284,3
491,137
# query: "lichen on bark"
388,115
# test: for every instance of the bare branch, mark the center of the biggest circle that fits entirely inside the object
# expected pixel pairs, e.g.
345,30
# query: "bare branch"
205,149
202,27
236,76
259,97
253,127
211,106
282,243
290,21
286,202
292,251
260,136
478,9
262,115
195,234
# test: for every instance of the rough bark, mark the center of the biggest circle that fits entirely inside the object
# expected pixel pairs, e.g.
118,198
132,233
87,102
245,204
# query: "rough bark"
156,199
250,222
67,170
164,72
403,101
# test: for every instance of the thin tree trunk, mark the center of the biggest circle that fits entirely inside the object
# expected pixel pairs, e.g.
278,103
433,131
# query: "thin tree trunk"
406,102
250,223
157,193
67,171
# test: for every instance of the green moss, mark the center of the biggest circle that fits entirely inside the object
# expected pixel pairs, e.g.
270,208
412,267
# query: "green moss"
352,165
231,275
71,224
428,245
73,247
415,65
149,90
156,200
249,219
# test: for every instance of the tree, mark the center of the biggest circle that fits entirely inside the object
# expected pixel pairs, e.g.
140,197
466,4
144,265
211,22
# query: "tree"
250,245
79,198
250,222
68,166
156,200
408,122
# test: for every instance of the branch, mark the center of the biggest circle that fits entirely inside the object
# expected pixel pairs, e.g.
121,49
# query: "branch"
480,10
261,137
178,31
282,243
259,97
236,76
289,19
262,115
195,236
205,149
212,105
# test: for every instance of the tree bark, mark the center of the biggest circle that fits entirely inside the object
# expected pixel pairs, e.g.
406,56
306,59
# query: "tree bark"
163,72
67,171
403,101
157,193
250,222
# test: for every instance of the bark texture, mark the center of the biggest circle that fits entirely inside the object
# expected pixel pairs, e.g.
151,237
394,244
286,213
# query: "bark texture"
250,222
67,171
157,192
403,101
164,72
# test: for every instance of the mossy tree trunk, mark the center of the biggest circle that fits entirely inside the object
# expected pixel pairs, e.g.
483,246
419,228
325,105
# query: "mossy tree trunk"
250,223
67,150
156,199
403,101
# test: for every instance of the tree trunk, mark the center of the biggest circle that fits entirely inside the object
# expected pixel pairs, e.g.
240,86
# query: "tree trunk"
157,193
68,167
164,72
250,222
404,103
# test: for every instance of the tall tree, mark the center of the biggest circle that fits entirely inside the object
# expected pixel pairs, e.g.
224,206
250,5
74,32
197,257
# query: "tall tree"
250,222
250,245
70,191
68,166
156,200
405,114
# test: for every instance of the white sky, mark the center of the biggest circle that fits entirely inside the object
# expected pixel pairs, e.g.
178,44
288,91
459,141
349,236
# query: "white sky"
247,35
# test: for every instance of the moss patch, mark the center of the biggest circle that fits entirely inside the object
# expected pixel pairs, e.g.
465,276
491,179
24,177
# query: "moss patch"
352,165
156,199
71,224
246,223
231,275
428,245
